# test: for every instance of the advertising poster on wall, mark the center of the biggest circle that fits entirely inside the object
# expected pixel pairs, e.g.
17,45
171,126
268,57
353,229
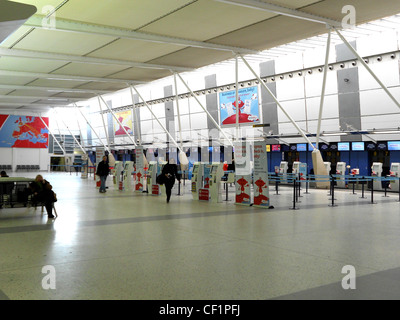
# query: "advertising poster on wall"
23,132
139,169
207,175
125,118
261,184
247,106
243,173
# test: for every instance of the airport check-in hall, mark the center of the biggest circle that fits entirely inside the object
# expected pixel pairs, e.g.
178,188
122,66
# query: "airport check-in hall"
199,150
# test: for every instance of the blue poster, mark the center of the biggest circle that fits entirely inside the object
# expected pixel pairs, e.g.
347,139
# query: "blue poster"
247,102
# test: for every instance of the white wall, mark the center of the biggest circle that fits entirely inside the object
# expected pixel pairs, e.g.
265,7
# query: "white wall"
25,156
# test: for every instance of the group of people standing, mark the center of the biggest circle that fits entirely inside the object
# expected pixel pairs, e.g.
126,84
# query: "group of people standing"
169,175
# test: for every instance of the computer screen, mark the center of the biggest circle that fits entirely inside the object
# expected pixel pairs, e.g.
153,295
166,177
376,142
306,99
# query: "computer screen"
302,147
343,146
393,145
276,147
357,146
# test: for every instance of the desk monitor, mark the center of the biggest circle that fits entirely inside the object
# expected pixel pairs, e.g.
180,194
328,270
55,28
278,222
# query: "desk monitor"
393,145
357,146
302,147
276,147
343,146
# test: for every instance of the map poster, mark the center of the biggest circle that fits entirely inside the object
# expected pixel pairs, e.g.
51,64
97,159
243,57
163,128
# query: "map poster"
261,190
248,106
125,118
23,132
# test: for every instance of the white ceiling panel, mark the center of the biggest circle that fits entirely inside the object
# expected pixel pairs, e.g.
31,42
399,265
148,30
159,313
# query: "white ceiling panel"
129,14
14,80
134,50
89,70
48,40
139,73
206,19
29,65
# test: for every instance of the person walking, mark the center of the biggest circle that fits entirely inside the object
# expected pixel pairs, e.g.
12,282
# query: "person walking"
170,172
102,171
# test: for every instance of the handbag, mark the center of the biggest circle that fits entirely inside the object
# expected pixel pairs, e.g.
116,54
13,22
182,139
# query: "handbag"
160,179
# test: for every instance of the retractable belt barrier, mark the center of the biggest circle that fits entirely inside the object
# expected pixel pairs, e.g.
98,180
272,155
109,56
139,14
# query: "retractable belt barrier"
351,179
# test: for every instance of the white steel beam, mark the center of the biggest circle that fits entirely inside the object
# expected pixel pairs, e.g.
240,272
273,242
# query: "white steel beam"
278,103
159,122
53,99
119,122
134,109
22,104
102,119
368,68
237,95
53,89
259,5
101,141
63,150
80,27
321,106
73,136
81,59
52,76
206,111
177,109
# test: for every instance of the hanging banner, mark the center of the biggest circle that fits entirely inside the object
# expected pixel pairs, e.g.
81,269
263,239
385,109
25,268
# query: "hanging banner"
248,106
125,118
23,132
243,173
139,169
261,184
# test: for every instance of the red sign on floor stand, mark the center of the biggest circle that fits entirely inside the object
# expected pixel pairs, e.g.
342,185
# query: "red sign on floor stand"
204,194
155,189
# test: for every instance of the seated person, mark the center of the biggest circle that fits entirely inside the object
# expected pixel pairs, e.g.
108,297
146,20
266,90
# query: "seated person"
3,174
5,188
42,192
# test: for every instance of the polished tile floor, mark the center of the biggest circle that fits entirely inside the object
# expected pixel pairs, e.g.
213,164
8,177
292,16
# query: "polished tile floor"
125,245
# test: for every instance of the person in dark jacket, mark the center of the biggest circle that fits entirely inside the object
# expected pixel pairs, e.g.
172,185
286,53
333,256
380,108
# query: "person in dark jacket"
42,191
170,171
102,171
